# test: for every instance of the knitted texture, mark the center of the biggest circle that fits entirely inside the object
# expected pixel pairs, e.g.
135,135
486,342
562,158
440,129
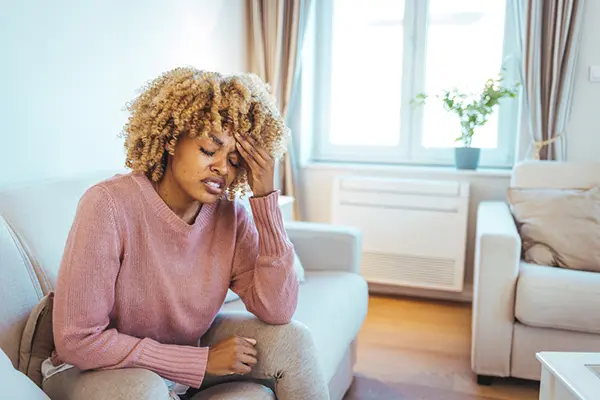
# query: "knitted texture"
138,286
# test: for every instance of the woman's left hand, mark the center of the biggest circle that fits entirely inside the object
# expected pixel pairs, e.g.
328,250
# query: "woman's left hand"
261,166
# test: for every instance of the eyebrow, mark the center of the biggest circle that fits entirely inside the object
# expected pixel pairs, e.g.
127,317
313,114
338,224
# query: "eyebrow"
216,140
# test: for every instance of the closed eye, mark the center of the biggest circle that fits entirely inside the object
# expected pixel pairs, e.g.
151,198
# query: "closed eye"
235,160
208,153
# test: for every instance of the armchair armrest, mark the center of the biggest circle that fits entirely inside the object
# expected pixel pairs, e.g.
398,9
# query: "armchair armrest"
326,247
497,259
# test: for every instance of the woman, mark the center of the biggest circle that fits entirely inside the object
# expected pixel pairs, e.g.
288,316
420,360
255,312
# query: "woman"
151,254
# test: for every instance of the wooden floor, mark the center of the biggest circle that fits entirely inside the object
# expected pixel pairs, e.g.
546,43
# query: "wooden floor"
412,349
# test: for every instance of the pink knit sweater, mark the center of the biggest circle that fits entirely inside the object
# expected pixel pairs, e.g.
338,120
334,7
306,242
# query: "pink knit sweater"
138,286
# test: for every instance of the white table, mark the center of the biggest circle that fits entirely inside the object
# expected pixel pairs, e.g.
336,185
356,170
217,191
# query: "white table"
567,376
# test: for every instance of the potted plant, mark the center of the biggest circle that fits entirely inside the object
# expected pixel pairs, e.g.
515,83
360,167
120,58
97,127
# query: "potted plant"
473,111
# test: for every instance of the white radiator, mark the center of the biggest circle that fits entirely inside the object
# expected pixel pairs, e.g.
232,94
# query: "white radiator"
414,231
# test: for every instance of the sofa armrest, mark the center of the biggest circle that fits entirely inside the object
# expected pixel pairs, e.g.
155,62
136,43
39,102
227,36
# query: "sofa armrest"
16,385
497,259
326,247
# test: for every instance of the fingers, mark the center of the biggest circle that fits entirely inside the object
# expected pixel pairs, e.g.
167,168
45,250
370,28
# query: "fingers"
246,346
246,355
234,355
251,351
251,151
261,152
250,161
242,369
248,360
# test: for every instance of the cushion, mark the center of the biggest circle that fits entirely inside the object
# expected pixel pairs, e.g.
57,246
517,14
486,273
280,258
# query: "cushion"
231,296
37,341
555,174
19,291
559,227
15,385
558,298
41,214
333,305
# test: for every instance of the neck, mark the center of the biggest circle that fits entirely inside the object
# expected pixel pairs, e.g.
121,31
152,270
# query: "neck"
176,199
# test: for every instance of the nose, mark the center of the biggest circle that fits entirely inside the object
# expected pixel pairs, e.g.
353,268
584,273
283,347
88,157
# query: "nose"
219,166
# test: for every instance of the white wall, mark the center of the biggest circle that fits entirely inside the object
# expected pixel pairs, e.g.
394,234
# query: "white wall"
584,126
69,66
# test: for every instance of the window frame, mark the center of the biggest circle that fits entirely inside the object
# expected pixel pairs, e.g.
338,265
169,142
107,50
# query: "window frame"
409,149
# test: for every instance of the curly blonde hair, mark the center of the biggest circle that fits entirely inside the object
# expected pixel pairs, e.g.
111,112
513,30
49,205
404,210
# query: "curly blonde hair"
196,102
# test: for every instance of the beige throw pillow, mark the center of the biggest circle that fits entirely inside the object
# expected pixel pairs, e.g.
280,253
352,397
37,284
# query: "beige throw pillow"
37,341
559,227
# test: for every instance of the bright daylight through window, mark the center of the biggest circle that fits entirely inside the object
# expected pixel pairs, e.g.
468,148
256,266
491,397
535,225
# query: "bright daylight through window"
375,56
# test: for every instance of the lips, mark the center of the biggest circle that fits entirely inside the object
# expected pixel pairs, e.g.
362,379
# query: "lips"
214,185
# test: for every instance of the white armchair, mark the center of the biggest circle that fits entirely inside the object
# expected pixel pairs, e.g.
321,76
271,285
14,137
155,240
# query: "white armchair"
519,308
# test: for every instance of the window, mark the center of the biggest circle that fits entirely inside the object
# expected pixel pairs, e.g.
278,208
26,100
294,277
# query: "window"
373,57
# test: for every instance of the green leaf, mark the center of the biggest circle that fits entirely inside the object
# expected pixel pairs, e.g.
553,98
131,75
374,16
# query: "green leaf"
473,109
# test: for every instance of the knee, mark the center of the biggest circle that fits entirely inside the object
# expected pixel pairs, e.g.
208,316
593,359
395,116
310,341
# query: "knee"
294,330
293,335
288,350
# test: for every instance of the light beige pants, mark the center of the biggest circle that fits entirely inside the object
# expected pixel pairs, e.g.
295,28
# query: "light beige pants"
287,363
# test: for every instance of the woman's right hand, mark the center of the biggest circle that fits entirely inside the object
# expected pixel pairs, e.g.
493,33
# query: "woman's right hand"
235,355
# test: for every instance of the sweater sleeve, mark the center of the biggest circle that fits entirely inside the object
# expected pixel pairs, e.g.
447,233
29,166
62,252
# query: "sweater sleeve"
263,273
85,297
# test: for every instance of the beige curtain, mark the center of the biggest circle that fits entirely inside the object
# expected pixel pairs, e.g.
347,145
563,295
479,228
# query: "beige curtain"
276,32
548,37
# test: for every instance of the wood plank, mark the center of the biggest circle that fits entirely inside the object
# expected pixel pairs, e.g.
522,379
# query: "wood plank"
420,349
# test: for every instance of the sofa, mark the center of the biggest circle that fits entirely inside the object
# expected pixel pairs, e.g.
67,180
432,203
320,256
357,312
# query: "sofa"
521,308
35,219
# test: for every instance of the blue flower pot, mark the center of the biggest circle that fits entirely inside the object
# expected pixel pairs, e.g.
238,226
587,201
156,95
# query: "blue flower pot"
466,157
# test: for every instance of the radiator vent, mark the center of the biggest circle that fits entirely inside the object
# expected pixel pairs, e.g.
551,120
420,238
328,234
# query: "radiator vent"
407,270
414,232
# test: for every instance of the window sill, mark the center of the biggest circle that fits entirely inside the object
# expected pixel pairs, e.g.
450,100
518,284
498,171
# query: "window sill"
409,169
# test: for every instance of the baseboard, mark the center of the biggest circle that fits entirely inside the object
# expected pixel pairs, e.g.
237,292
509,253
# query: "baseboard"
465,296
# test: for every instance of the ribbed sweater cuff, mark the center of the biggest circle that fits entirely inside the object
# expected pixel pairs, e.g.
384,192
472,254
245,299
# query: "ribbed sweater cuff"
181,364
272,238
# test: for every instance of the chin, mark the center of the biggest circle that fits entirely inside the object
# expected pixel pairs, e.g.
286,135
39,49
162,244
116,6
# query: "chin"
208,198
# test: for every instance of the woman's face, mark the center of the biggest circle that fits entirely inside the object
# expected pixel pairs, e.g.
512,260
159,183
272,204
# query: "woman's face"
204,167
